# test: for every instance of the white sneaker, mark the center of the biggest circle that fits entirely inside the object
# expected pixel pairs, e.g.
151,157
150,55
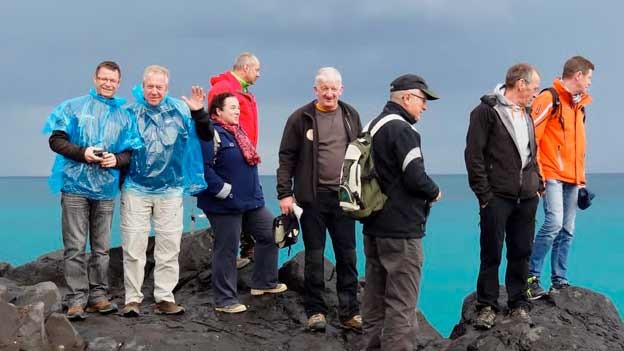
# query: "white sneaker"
279,288
235,308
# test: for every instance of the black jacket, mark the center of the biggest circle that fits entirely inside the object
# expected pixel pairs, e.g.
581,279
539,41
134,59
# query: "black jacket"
492,158
298,155
401,173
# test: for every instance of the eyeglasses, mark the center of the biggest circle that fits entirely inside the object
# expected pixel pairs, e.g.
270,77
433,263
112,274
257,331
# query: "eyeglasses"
107,80
424,99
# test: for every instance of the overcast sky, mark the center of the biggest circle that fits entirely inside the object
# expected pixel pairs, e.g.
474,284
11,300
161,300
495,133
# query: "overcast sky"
461,47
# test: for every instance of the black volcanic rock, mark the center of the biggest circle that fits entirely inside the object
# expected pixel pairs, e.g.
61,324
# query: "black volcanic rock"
272,322
571,319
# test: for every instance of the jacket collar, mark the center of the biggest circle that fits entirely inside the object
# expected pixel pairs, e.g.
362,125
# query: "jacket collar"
564,94
393,107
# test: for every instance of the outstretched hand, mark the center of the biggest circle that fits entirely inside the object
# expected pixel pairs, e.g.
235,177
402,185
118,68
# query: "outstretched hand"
196,102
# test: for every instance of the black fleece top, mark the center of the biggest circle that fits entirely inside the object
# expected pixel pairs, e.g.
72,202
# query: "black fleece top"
402,177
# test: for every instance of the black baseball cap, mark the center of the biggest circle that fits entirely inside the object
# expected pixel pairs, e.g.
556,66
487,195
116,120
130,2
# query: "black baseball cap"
412,81
585,197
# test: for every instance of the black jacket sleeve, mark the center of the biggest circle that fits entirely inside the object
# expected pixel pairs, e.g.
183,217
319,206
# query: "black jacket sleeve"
123,159
288,157
203,124
59,143
414,176
474,155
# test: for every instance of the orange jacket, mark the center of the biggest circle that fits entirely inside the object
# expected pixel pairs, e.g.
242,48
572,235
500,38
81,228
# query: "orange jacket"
560,140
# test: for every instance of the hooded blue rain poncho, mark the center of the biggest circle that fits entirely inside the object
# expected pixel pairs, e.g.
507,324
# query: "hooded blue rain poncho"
91,120
170,161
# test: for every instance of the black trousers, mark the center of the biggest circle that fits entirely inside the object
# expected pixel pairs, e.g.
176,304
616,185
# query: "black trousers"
323,215
514,223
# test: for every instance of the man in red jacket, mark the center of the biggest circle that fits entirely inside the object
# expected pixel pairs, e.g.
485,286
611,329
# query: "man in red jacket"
244,73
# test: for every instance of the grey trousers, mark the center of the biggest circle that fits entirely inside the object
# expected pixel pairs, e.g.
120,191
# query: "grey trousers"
393,271
84,218
227,230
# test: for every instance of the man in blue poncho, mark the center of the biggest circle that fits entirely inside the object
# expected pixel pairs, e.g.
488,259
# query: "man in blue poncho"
168,166
93,137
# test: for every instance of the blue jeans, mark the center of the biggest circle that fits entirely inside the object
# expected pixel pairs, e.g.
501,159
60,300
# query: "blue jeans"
560,201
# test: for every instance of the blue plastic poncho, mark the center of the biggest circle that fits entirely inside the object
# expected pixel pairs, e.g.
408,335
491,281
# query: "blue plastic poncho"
91,120
170,161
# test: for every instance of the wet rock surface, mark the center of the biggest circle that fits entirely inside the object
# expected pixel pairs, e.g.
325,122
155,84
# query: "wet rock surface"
573,319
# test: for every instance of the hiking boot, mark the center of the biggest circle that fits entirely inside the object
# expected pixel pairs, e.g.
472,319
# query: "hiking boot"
235,308
535,291
279,288
168,307
355,323
131,309
103,306
486,318
317,322
521,314
76,313
559,286
242,262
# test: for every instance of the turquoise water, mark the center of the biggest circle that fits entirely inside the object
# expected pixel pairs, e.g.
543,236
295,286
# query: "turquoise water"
30,226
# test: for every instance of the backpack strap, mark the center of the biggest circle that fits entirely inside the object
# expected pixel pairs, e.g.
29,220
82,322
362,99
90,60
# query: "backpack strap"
381,123
555,99
555,111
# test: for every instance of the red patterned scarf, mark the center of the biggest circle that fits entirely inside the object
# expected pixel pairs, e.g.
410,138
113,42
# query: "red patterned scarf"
249,151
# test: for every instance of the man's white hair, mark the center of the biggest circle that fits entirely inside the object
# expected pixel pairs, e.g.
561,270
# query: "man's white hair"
155,69
327,74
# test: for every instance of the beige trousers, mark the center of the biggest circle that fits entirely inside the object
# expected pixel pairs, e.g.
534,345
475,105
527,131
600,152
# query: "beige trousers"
166,213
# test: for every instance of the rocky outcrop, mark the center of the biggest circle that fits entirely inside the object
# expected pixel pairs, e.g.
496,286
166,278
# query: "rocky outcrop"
570,319
271,322
573,319
29,319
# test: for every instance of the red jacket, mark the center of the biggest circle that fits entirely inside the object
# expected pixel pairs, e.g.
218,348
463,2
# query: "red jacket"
561,141
226,82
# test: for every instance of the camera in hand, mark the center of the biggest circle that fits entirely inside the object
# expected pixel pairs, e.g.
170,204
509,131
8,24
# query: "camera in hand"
99,153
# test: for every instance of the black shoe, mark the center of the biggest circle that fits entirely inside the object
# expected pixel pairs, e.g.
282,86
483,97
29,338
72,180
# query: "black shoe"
521,314
535,291
559,286
486,318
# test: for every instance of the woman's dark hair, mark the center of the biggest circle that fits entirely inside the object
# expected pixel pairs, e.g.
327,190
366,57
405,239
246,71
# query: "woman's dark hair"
218,102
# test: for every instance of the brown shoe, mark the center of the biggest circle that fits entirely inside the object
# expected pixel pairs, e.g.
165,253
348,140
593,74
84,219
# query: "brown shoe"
103,306
317,322
521,314
355,323
131,309
76,313
167,307
486,318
